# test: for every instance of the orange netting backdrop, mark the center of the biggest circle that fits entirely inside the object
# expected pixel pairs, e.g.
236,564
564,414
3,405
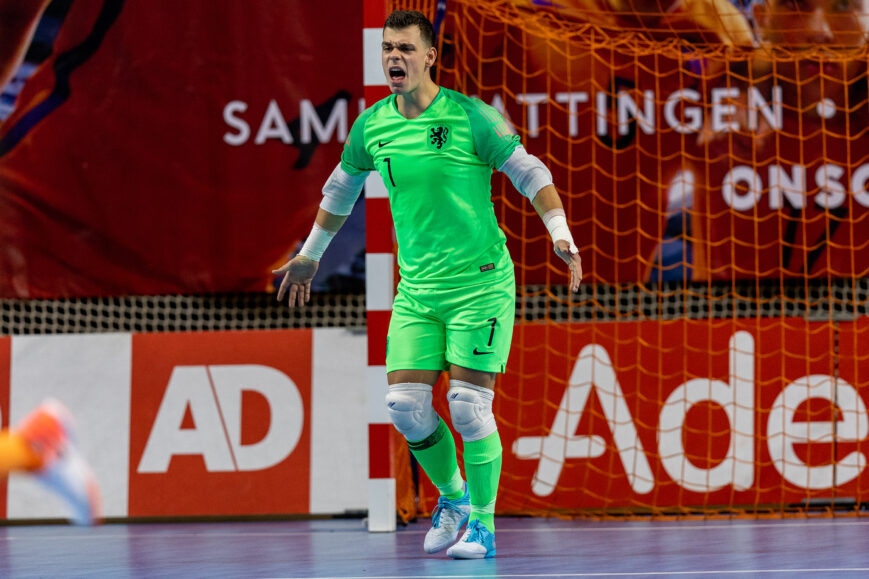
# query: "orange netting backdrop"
714,164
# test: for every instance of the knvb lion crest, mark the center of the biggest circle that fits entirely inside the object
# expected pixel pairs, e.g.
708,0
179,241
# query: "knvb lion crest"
438,136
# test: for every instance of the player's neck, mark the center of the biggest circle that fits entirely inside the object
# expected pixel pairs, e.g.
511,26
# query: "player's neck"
413,104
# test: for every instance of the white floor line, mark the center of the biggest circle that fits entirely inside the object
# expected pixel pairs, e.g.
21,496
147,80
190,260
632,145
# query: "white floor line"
588,527
693,526
592,527
637,574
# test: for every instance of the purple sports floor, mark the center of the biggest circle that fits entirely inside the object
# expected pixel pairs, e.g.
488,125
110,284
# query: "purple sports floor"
526,548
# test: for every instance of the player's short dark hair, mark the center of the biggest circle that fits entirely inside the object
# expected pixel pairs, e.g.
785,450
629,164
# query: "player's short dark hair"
406,18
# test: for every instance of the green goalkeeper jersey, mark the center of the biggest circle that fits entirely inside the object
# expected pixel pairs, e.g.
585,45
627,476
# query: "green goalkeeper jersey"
438,170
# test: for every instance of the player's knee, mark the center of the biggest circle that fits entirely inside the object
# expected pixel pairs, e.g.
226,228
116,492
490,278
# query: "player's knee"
411,411
471,410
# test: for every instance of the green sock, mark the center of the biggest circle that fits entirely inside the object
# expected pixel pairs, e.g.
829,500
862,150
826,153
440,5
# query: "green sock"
483,469
436,454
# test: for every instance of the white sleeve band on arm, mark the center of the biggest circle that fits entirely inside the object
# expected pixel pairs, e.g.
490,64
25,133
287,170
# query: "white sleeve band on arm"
555,221
341,191
316,243
528,174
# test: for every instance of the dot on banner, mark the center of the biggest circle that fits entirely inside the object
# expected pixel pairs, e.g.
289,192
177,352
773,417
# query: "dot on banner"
826,108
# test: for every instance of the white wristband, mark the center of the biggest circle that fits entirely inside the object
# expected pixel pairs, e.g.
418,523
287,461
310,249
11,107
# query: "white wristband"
316,243
555,221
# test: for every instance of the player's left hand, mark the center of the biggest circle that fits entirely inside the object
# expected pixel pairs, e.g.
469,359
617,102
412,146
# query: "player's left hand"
570,255
298,273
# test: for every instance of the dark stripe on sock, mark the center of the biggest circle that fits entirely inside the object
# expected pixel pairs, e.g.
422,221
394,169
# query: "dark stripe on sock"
434,438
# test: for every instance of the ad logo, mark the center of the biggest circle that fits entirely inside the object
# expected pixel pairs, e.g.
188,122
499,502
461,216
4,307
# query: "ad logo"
594,371
758,425
219,423
213,397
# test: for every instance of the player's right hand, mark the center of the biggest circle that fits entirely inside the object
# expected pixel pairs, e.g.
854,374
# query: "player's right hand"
570,255
298,273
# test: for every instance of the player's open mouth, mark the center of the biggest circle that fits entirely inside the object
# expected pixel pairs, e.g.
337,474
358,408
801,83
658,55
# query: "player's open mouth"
395,73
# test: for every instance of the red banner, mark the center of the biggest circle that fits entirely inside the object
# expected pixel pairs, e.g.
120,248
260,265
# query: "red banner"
677,159
198,424
221,423
792,203
680,415
171,147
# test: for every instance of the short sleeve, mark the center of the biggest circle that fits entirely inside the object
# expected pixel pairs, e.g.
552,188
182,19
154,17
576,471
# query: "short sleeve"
356,159
493,138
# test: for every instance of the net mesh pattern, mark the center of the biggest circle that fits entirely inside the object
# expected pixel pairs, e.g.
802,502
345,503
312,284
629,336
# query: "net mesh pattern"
713,162
839,300
842,300
176,313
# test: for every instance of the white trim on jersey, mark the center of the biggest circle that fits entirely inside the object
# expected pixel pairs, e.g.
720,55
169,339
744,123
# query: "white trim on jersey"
528,174
341,191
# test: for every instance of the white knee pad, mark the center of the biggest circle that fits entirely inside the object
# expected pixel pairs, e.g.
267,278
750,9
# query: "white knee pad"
411,411
471,410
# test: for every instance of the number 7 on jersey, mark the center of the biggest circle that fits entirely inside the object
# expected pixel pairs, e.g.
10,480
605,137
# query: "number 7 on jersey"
389,170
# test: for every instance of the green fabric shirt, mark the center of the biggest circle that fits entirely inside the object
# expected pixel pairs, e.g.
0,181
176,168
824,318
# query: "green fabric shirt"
438,169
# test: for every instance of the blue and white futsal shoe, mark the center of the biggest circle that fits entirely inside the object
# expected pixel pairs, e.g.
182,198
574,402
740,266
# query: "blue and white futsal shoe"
447,519
478,542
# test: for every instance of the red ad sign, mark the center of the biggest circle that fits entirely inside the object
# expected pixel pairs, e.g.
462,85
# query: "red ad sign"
675,161
784,212
194,139
681,414
220,423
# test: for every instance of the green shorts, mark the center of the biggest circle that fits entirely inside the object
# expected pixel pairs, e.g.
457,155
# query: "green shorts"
470,327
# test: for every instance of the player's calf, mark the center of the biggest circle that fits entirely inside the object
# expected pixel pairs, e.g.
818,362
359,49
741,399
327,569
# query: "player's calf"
431,442
471,411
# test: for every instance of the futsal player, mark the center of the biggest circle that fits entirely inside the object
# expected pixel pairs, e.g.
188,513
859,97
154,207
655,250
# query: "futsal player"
43,446
455,306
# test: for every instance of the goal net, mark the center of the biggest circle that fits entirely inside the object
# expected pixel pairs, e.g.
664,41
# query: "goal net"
713,159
